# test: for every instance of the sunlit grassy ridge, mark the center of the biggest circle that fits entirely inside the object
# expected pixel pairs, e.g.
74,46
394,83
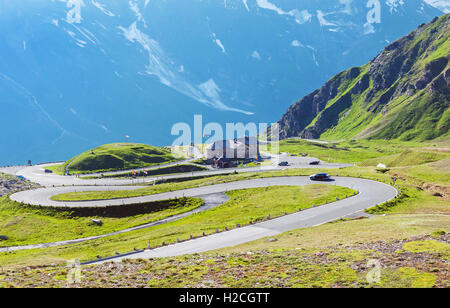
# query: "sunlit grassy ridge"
117,156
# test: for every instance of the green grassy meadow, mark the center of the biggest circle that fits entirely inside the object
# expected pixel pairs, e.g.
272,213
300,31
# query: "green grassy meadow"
244,206
27,225
116,156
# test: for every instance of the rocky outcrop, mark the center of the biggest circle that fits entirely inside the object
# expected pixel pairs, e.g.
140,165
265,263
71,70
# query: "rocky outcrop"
432,70
10,184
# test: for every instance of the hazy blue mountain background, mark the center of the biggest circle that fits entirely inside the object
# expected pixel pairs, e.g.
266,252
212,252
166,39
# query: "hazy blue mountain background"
79,73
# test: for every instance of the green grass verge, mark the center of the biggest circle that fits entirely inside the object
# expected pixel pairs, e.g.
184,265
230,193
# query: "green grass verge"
332,266
432,246
353,151
407,158
350,232
26,225
57,169
244,206
437,173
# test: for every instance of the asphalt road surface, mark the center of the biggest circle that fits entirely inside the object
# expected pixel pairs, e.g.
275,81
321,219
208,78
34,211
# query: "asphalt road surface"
37,173
370,194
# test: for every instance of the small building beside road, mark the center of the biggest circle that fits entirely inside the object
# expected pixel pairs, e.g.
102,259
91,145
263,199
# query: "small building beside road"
239,148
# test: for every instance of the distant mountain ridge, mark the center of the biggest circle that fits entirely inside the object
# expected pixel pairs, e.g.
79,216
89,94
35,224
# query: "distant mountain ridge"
75,74
443,5
403,93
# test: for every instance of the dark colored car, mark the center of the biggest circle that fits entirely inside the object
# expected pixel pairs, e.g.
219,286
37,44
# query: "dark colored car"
314,163
283,164
320,177
48,171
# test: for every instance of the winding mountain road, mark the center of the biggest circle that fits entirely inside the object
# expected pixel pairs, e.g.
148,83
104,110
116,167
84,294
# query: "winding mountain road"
37,173
370,194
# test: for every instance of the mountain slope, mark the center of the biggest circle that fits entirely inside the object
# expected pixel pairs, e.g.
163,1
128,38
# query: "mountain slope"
403,93
118,156
78,73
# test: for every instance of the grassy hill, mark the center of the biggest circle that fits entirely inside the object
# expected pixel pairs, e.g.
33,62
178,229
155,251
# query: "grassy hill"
117,156
403,93
411,238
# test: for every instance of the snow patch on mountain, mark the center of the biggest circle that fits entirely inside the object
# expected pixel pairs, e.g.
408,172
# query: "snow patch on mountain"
256,55
211,90
296,43
369,28
322,21
246,5
161,66
218,43
394,5
301,17
135,8
102,8
87,34
443,5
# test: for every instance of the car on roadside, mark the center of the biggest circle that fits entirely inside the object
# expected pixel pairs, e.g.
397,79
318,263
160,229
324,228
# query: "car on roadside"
283,164
320,177
315,163
48,171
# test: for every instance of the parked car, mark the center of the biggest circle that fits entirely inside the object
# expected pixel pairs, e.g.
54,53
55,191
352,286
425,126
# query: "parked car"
283,164
314,163
320,177
48,171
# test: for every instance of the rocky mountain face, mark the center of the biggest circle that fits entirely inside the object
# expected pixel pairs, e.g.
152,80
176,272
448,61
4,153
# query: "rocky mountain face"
75,74
402,93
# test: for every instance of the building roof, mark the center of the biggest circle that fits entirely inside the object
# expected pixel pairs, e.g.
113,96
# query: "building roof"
231,144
